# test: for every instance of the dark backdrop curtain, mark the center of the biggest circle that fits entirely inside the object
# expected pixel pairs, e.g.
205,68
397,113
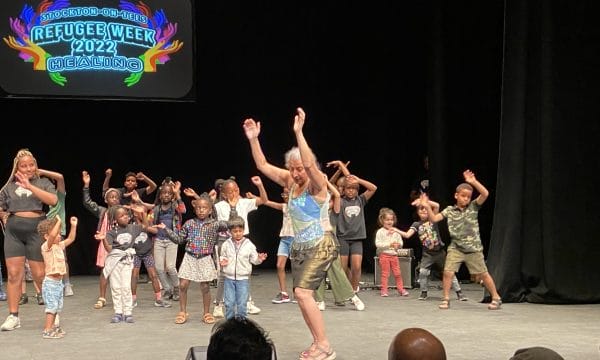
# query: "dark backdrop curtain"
545,237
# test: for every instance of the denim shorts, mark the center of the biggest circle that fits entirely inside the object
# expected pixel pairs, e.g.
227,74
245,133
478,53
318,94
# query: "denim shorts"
285,246
52,292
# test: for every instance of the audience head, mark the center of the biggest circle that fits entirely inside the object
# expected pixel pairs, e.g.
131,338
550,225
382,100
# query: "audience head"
536,353
416,344
239,339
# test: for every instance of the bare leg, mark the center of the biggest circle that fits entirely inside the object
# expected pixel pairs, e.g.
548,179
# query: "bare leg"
38,272
205,289
356,271
281,260
134,281
312,317
183,288
15,270
489,284
103,285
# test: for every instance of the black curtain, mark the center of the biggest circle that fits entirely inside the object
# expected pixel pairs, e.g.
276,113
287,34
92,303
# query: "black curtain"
544,243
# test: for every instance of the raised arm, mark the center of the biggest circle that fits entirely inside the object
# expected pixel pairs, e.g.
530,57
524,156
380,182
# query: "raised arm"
370,188
318,182
341,169
106,183
47,197
427,204
483,192
279,175
53,237
336,197
72,232
56,176
262,198
151,184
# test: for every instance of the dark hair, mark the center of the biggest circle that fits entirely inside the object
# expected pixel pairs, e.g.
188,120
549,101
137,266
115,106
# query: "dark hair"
239,338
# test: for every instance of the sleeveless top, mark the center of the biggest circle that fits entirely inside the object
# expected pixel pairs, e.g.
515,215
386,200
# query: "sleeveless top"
310,219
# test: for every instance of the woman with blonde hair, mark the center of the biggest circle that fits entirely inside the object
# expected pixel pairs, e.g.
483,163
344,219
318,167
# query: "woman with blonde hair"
22,201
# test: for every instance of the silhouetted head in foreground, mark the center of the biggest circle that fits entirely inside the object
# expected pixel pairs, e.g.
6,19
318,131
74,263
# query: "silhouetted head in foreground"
416,344
536,353
239,339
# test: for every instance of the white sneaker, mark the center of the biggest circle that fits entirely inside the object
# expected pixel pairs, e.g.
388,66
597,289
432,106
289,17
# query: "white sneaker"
68,290
12,322
321,305
218,311
358,304
252,309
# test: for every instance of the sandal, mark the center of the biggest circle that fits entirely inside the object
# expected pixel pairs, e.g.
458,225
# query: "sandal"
445,304
181,317
319,354
208,318
100,303
495,304
306,353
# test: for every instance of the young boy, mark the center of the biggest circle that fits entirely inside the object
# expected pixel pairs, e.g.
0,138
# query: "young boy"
237,256
465,245
54,260
433,248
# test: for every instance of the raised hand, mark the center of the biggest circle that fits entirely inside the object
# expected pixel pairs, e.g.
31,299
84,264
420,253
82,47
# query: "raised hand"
251,128
74,221
256,180
469,176
299,119
22,180
85,176
190,192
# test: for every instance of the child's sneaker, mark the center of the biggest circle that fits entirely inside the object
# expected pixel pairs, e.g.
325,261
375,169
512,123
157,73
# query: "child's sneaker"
59,331
461,296
68,290
24,299
251,308
129,319
358,304
167,294
40,299
51,334
117,318
423,295
403,292
281,298
384,294
218,311
12,322
321,305
162,303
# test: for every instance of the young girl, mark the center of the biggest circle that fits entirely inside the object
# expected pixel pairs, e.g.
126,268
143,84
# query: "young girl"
112,197
199,236
118,267
168,210
388,240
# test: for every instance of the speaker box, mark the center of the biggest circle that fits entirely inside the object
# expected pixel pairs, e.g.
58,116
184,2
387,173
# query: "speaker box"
407,269
197,353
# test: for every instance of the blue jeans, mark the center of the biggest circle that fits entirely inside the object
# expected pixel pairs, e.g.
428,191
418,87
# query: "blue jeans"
236,297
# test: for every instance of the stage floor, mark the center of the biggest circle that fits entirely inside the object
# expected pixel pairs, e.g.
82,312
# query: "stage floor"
468,330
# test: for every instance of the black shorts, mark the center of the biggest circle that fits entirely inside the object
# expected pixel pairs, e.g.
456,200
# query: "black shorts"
22,238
